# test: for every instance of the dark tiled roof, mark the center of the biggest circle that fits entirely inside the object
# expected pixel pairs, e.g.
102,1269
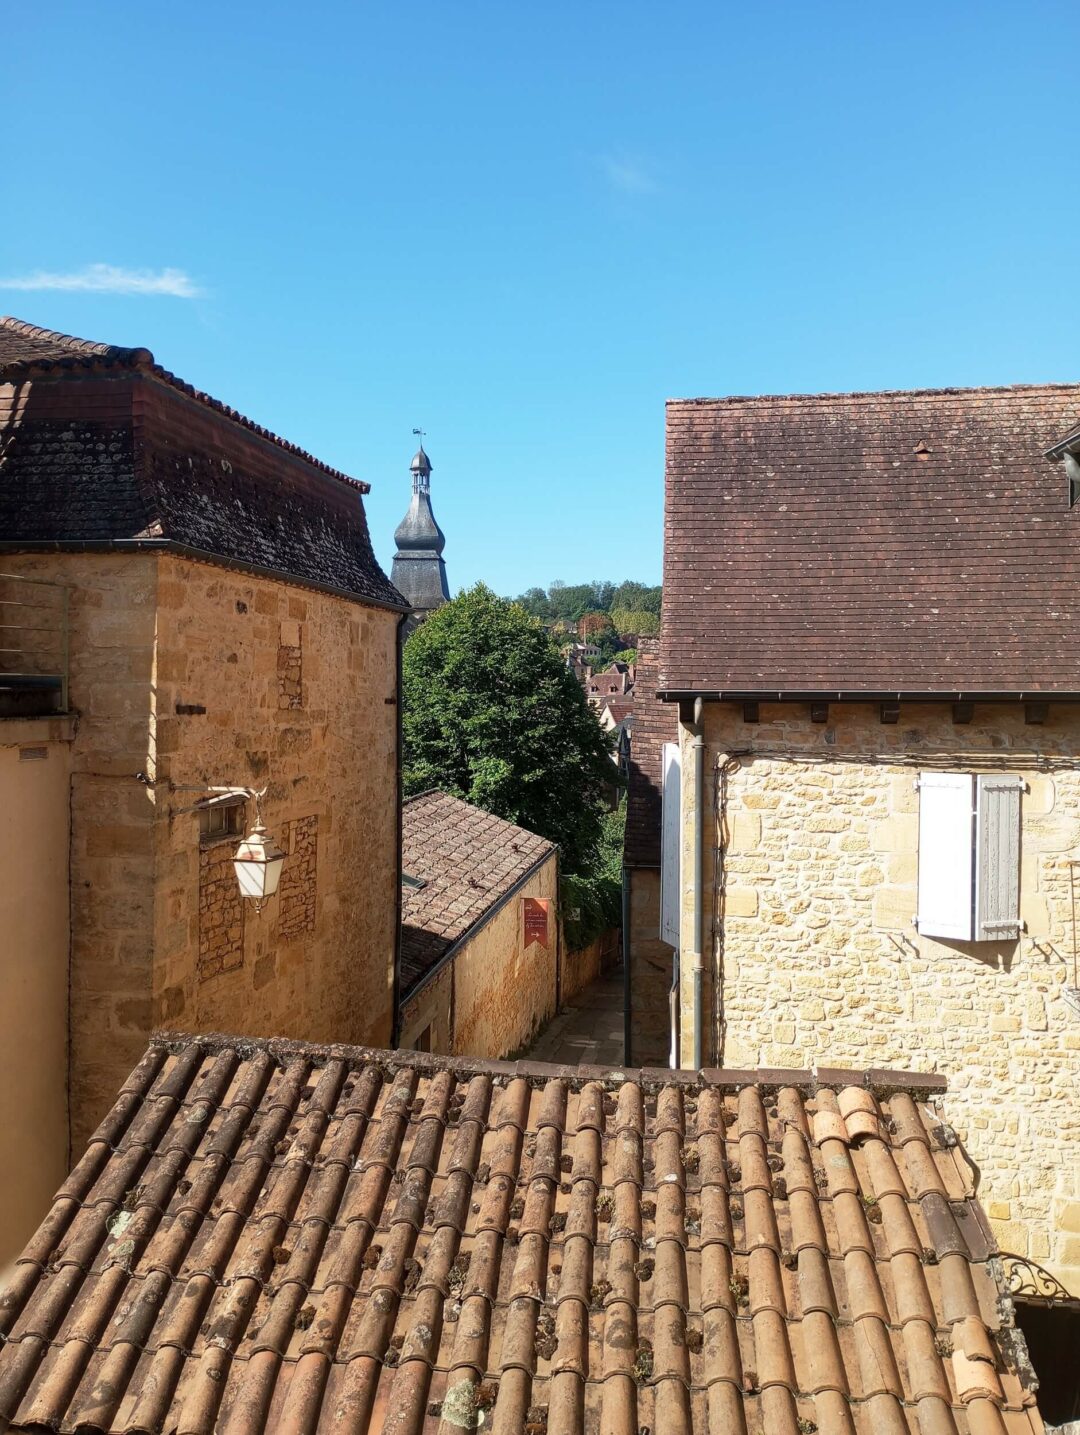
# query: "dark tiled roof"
25,348
23,344
80,465
468,861
879,543
276,1237
654,724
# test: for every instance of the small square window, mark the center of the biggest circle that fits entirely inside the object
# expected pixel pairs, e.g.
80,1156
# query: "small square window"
221,820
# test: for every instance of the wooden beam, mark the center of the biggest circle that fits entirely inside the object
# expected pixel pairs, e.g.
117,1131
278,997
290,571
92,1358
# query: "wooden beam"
751,712
890,712
1036,713
819,712
963,712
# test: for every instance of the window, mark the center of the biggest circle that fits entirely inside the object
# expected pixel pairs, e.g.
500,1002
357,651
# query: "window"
969,856
219,820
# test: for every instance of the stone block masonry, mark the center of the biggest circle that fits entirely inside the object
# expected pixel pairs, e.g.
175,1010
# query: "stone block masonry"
290,666
221,912
179,670
299,876
822,963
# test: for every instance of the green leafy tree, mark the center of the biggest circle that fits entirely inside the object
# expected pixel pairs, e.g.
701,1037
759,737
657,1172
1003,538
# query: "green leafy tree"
637,596
626,655
639,621
492,714
570,601
537,602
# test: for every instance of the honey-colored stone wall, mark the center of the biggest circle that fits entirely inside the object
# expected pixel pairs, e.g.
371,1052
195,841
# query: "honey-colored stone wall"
35,766
583,966
113,610
821,962
260,682
651,969
430,1007
495,993
503,991
191,673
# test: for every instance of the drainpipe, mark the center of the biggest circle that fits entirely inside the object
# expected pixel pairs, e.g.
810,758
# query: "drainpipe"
395,1027
627,1060
696,796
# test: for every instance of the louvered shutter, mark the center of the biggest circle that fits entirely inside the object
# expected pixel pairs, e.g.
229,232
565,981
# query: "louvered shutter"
946,855
997,858
671,845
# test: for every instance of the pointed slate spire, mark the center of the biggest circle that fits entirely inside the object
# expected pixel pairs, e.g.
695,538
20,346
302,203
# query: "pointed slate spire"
419,572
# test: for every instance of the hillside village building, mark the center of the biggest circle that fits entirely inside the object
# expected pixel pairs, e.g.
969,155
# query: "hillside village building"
188,600
614,681
869,658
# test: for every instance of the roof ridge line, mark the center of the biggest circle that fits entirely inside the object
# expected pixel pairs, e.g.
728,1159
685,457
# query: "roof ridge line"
84,346
813,1079
702,401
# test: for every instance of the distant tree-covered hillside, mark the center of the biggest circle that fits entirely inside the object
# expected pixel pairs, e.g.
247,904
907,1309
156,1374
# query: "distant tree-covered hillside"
569,602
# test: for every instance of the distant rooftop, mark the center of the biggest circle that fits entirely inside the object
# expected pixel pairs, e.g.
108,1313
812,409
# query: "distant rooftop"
469,861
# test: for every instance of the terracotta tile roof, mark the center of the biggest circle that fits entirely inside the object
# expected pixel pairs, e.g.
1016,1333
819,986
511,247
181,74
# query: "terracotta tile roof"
654,724
870,543
469,861
26,348
115,455
618,707
276,1237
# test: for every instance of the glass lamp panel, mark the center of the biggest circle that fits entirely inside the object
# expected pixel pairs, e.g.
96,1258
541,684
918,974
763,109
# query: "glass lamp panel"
251,875
272,872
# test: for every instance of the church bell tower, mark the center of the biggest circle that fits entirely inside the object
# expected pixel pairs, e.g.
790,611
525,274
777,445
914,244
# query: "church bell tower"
419,572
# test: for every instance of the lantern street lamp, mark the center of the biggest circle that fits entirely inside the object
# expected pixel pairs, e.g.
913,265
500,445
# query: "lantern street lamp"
258,863
258,860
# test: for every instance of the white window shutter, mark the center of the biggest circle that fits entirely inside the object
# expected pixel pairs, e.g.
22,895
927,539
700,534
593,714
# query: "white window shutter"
946,855
670,845
997,858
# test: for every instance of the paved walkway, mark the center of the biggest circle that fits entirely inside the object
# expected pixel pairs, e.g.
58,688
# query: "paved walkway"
590,1030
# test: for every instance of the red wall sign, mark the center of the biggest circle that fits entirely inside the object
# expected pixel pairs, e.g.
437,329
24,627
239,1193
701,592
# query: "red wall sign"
535,911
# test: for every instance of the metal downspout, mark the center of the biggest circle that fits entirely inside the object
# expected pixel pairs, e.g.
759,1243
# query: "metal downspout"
697,747
395,1028
627,1058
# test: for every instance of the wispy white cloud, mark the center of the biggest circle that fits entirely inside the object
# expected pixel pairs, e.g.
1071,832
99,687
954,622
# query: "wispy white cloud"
110,279
629,176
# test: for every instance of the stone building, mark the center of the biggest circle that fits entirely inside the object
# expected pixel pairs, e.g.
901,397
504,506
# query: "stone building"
419,571
206,610
482,961
603,684
869,642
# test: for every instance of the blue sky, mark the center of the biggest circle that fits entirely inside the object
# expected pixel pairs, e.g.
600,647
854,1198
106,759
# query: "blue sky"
524,227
